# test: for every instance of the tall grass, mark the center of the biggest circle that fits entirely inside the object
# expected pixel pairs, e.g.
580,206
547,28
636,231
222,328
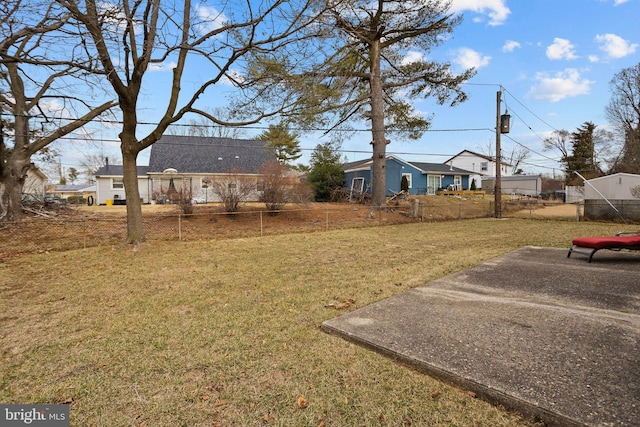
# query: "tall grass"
227,332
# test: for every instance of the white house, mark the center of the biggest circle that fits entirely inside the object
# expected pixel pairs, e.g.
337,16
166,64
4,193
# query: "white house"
110,184
480,164
35,182
198,162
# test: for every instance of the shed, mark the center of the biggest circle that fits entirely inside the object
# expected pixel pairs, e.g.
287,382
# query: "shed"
622,190
524,185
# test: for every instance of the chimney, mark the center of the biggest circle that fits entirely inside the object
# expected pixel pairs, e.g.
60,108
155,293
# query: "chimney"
106,160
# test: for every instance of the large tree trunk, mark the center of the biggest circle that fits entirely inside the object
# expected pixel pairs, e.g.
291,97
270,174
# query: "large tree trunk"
378,185
135,228
14,167
14,173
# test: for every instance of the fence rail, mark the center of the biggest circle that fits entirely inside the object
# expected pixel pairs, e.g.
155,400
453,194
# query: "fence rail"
77,229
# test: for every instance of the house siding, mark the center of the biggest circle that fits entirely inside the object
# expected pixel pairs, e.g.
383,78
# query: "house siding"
105,192
617,190
473,162
419,172
617,186
526,185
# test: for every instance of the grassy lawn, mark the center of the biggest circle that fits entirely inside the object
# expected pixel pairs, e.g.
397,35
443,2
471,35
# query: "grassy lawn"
226,332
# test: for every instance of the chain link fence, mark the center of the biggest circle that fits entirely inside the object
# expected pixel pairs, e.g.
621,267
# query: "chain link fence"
66,229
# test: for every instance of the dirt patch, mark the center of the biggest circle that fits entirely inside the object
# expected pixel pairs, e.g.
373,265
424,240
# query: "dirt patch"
87,226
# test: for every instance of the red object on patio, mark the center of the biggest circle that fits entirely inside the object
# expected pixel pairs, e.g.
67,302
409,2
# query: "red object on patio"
590,245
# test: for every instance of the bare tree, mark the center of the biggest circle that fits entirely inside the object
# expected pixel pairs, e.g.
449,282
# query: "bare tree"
93,160
623,112
514,158
233,189
559,141
203,127
130,37
41,63
280,186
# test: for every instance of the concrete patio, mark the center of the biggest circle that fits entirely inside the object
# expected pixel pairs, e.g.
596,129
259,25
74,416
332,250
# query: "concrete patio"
554,338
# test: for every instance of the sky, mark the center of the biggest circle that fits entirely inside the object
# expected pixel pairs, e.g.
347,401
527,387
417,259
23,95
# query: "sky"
551,59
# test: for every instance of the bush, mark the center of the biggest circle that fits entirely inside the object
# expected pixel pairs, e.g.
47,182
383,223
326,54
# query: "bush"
232,190
281,187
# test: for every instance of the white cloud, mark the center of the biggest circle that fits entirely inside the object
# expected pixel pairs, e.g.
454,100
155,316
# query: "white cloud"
412,56
619,2
510,46
469,58
561,49
496,9
164,66
210,19
564,84
615,46
594,58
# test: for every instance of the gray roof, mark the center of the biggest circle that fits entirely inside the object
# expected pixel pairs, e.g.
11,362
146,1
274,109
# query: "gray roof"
73,187
208,155
440,168
512,178
117,170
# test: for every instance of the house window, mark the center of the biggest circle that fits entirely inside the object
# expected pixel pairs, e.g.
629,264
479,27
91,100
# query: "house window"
408,175
260,185
484,166
117,183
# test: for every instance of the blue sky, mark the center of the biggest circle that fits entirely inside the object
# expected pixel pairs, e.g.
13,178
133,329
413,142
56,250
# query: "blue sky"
553,60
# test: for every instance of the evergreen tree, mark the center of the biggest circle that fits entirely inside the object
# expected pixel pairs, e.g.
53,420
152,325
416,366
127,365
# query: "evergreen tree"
326,172
583,155
283,142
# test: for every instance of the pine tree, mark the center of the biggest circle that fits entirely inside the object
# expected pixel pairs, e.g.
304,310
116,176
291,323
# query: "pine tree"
583,157
284,143
326,172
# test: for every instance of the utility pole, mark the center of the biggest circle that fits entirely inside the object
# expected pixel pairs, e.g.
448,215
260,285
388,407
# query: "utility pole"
498,186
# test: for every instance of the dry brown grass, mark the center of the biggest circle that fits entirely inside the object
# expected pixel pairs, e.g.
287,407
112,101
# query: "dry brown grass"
226,332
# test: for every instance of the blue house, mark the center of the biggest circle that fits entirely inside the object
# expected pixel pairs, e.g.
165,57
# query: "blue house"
423,178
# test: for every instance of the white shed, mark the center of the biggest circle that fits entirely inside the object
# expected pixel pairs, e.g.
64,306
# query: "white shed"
614,187
613,197
525,185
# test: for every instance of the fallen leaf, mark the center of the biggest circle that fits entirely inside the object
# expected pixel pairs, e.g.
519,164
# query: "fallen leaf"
302,402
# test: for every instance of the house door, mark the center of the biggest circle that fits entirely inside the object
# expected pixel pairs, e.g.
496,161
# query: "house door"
433,183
